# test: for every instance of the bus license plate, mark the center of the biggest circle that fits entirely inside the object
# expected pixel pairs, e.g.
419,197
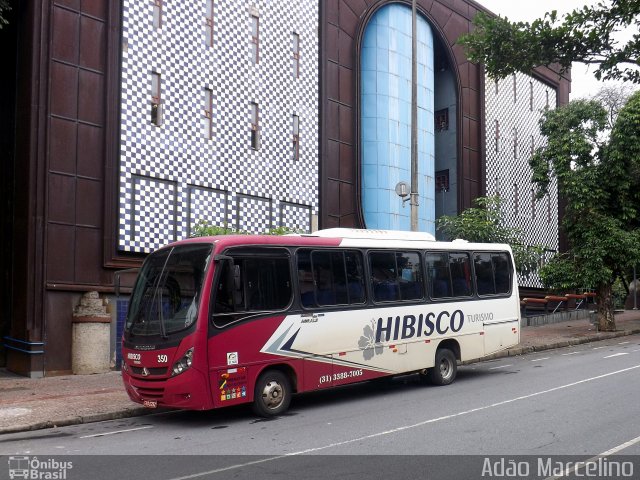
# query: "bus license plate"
150,403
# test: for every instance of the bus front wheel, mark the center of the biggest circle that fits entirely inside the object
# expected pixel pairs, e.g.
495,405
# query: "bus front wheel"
445,368
272,395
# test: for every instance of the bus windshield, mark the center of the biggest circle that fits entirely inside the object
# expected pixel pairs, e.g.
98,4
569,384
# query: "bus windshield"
167,293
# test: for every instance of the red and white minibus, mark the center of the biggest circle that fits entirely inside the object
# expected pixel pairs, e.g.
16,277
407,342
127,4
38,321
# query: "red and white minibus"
218,321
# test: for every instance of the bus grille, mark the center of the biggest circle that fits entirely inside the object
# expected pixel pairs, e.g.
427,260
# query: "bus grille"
152,371
149,392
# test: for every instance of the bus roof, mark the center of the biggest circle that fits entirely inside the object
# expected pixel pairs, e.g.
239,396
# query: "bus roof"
348,237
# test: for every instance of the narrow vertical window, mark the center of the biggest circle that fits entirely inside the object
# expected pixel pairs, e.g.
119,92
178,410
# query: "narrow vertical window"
530,96
156,99
497,136
515,90
548,208
533,147
157,13
515,143
295,47
533,204
547,98
255,125
255,39
496,84
207,121
296,137
209,24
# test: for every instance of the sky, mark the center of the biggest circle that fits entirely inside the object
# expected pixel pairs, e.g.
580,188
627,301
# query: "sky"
583,83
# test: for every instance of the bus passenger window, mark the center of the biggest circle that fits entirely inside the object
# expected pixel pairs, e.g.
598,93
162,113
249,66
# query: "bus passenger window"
355,277
484,274
502,270
438,274
384,276
460,274
410,278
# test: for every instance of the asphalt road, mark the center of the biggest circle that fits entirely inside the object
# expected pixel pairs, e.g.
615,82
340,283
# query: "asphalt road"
580,401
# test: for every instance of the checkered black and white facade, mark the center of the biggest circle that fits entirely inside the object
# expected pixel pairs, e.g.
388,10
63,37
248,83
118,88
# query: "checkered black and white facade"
174,175
513,107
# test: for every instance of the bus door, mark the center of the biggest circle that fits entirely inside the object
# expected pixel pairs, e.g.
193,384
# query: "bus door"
500,312
251,297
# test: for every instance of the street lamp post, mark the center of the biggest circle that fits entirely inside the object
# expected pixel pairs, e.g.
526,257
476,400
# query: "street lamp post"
414,119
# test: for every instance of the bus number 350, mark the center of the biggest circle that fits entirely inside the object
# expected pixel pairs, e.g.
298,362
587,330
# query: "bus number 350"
163,358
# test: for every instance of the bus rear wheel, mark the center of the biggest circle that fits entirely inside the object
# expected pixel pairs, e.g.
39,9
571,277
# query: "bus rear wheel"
272,394
445,369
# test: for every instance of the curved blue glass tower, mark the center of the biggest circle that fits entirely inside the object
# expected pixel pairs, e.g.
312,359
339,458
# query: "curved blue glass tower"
386,119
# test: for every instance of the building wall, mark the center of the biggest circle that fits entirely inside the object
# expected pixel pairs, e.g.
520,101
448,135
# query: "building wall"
342,24
386,119
175,174
514,107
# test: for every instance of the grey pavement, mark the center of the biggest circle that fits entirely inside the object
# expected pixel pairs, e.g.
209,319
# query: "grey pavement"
31,404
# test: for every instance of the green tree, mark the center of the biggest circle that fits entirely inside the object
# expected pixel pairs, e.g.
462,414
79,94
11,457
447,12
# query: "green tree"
601,184
586,35
485,224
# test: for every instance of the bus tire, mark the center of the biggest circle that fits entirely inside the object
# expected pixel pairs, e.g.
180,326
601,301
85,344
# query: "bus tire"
445,368
272,394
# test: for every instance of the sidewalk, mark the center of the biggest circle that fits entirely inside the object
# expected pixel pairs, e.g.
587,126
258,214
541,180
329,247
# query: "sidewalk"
31,404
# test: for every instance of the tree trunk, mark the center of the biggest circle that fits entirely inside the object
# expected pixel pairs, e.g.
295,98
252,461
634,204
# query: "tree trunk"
605,307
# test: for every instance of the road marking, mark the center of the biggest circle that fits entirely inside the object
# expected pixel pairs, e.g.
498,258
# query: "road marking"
623,343
501,366
598,348
408,427
117,431
579,465
540,359
572,353
616,354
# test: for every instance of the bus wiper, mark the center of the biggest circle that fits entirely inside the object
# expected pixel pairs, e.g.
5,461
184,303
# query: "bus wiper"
159,284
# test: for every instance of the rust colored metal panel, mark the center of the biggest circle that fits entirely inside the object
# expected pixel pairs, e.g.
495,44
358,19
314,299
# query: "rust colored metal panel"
61,246
91,155
62,145
64,44
333,197
347,166
95,8
92,44
61,190
91,105
346,85
332,50
64,90
89,198
333,164
87,263
333,81
59,310
348,20
346,124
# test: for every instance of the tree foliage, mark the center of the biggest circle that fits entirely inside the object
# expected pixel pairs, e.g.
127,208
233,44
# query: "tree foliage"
485,224
586,35
207,229
4,8
613,97
600,182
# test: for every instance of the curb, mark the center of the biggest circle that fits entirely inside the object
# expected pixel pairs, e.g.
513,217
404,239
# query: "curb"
65,422
517,351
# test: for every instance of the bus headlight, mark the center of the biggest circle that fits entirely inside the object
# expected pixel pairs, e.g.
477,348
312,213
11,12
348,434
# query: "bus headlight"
183,364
